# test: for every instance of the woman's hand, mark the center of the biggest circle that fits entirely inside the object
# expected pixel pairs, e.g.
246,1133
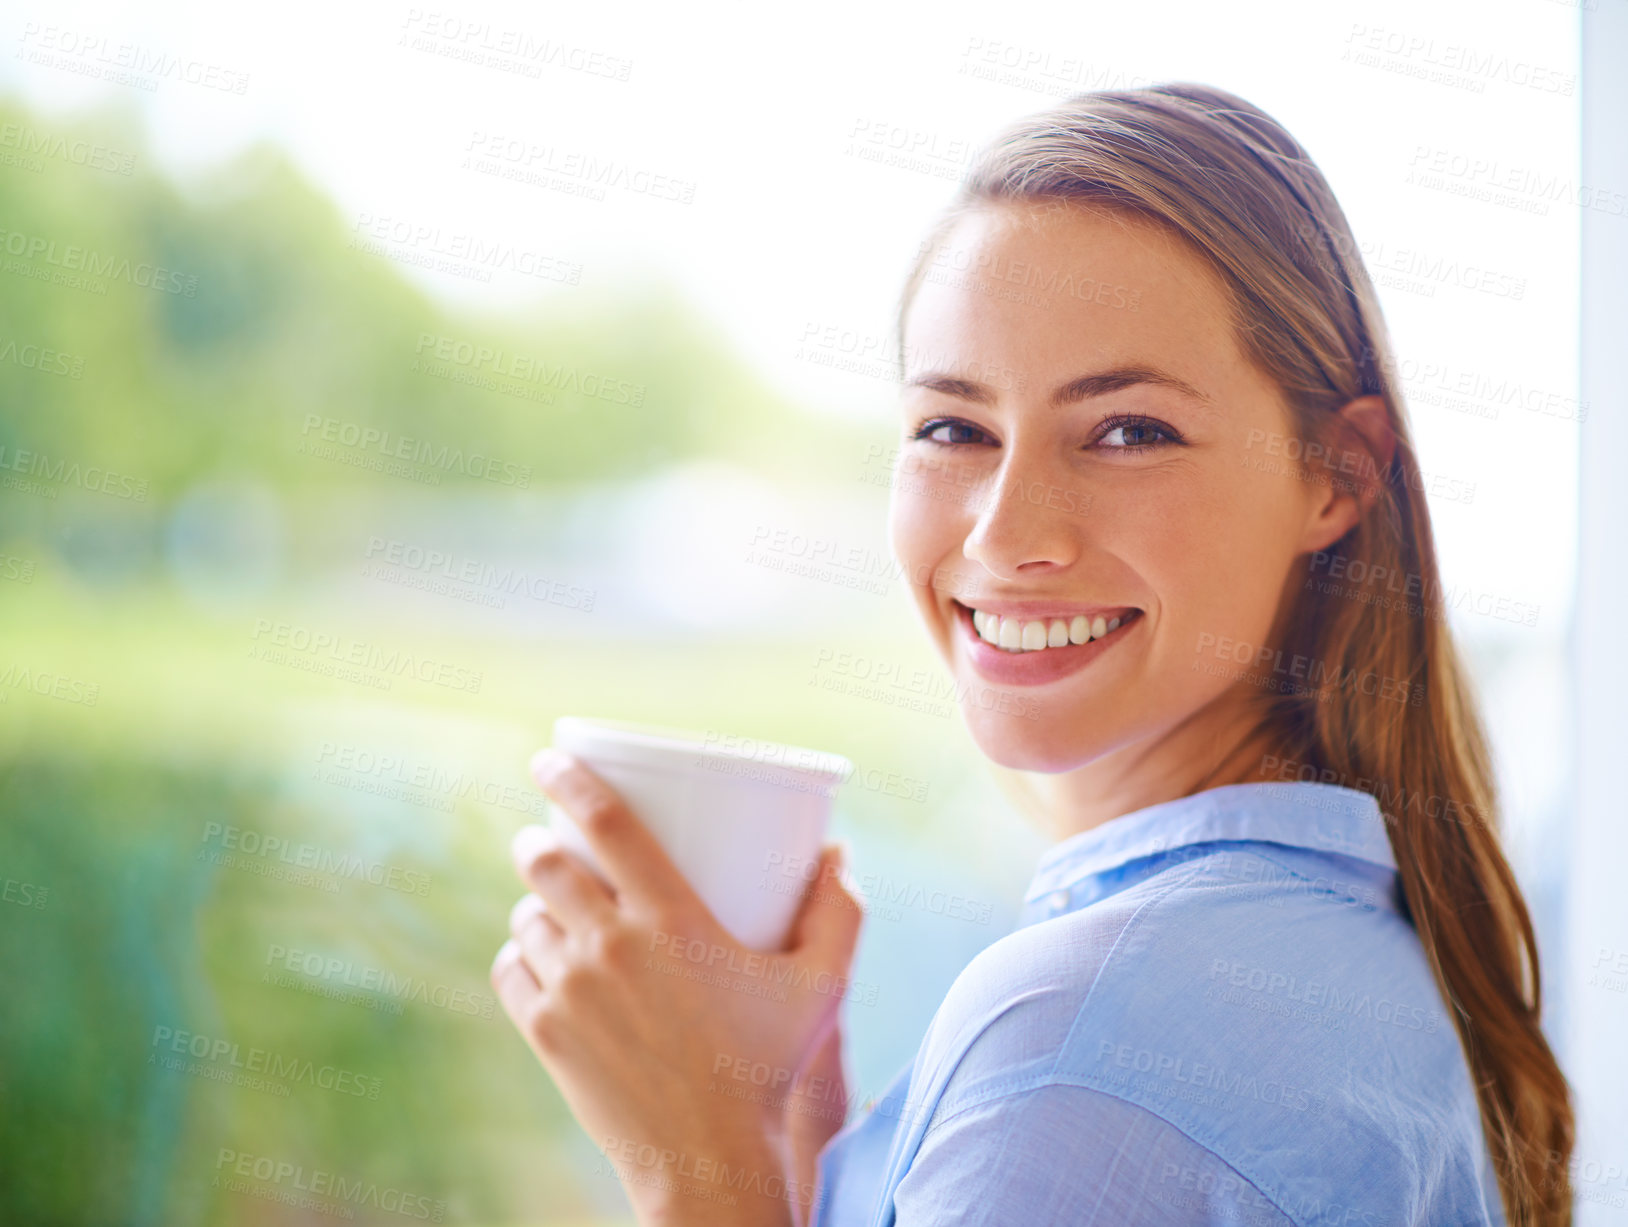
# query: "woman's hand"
674,1046
815,1110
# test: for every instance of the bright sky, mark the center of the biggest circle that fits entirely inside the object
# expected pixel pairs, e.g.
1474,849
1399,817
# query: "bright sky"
777,126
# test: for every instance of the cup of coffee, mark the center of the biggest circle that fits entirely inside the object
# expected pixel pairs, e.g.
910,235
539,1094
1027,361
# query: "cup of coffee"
742,819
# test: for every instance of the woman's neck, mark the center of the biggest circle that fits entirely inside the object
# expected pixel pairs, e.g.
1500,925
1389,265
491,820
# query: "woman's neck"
1203,752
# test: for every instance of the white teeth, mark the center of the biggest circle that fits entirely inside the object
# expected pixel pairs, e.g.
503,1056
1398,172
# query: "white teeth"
1011,635
1015,635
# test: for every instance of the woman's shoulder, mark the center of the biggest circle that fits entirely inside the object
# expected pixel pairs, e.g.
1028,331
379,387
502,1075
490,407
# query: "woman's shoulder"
1233,915
1256,999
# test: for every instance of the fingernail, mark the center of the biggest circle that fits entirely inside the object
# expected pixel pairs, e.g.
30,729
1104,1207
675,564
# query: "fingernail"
547,763
507,953
525,909
529,842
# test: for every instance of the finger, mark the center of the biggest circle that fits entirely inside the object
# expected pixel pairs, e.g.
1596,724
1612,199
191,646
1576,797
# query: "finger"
632,858
823,1084
827,924
575,897
541,939
516,987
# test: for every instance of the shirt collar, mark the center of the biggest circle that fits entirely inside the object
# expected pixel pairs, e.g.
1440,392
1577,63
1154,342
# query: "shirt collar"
1303,815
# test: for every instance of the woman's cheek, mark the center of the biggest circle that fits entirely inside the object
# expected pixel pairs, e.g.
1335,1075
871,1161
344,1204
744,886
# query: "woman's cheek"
922,533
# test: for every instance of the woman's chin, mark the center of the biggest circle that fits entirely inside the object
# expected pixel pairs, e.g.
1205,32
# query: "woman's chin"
1024,745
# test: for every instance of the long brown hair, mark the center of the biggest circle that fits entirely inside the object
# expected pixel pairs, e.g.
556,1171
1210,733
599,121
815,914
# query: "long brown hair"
1227,178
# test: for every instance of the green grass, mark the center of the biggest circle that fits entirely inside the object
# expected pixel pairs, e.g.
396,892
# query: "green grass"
107,806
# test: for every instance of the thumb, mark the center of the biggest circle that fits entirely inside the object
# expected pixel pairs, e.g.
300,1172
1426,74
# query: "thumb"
827,925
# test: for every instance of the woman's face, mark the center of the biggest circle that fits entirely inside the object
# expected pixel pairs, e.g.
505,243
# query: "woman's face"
1085,447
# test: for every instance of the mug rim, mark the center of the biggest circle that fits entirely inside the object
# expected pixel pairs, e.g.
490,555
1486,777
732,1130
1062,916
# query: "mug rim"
680,748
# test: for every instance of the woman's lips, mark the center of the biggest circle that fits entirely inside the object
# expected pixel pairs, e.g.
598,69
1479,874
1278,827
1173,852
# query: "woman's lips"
1008,668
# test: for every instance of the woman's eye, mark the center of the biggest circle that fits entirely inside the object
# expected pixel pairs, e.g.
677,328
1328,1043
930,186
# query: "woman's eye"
1137,432
933,431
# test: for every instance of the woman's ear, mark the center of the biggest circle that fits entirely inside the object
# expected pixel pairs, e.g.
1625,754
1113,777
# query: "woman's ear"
1355,458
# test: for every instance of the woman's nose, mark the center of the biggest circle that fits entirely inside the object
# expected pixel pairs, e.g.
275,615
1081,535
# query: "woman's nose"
1028,521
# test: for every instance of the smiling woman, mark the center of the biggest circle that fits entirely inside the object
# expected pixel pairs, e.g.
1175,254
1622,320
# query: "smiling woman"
1221,403
1276,968
1184,536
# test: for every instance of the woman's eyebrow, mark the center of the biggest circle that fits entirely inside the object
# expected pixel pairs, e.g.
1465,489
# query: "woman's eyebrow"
1082,387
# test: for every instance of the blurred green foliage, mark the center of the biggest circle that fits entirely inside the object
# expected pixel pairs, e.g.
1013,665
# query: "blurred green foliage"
157,728
278,316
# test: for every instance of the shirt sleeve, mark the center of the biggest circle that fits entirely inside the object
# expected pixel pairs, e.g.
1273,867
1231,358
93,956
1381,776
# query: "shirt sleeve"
1069,1156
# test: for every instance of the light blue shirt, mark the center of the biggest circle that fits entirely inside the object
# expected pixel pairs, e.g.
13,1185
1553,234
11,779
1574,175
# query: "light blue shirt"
1214,1010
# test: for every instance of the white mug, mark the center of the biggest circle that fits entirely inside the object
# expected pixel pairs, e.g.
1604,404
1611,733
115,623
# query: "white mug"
742,819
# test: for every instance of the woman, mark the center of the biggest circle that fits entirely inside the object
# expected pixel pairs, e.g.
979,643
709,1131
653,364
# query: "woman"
1157,495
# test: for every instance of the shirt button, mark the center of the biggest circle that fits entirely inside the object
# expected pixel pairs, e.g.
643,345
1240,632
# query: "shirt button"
1057,901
